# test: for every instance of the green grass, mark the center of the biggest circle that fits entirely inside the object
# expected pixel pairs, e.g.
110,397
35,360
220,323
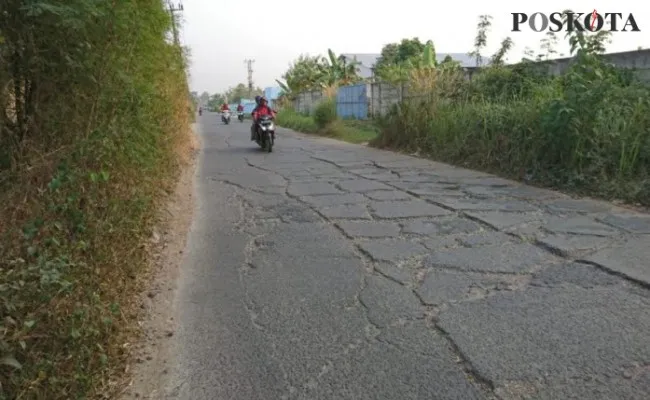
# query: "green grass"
288,118
358,131
353,131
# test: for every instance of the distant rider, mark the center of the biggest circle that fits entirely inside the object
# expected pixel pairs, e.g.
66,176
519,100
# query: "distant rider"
225,107
261,110
240,108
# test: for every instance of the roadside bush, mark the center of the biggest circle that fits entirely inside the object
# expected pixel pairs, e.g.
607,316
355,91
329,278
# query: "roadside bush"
325,113
349,130
289,118
504,83
586,130
93,129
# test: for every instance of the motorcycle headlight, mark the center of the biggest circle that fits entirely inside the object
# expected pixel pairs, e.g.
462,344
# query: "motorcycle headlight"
264,127
271,127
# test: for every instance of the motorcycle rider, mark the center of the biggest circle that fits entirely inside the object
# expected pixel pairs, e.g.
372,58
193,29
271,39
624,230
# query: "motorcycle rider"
261,109
225,107
257,104
240,108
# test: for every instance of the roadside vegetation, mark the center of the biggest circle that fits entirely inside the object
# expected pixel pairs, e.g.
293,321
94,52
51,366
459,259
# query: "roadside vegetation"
94,126
584,131
324,122
325,74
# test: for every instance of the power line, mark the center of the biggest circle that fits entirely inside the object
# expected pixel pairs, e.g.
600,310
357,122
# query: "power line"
249,65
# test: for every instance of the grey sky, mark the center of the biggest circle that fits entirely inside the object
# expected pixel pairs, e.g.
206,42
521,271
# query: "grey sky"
221,34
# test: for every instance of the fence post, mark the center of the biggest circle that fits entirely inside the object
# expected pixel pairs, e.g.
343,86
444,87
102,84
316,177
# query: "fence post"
369,101
379,98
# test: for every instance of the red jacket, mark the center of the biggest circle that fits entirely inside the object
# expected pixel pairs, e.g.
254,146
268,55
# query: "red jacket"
225,107
263,110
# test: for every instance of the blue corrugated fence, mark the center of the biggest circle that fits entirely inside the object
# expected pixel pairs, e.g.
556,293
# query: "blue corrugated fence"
352,101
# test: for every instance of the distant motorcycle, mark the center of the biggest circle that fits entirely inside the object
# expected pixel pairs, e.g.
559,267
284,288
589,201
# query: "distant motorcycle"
225,117
265,132
240,116
200,111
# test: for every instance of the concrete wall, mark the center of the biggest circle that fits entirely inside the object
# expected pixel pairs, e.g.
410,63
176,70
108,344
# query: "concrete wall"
379,99
383,96
306,102
639,60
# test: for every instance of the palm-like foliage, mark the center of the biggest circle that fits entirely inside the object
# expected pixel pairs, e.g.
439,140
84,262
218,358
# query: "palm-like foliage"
318,72
403,71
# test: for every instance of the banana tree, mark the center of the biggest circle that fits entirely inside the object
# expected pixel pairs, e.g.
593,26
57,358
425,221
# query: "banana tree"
303,74
426,59
284,89
429,56
339,70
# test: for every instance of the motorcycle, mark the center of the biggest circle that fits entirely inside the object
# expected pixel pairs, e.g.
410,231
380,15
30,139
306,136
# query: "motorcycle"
265,132
200,111
225,117
240,116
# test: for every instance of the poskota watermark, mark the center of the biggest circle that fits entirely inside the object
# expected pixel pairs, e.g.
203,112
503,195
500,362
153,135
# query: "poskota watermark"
571,22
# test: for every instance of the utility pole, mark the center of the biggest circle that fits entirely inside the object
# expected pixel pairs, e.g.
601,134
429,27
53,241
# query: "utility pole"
172,11
249,65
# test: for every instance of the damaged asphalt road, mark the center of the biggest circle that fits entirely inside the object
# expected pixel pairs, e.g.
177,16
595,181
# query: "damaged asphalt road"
326,270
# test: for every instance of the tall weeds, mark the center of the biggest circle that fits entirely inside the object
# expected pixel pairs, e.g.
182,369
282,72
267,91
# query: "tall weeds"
94,123
586,130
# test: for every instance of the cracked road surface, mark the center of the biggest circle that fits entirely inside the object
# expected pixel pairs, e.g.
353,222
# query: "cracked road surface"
326,270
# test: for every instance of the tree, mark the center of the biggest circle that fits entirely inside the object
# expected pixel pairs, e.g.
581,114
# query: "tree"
239,92
484,24
303,74
498,57
400,62
429,55
399,59
204,98
317,72
548,43
449,63
399,53
336,71
216,100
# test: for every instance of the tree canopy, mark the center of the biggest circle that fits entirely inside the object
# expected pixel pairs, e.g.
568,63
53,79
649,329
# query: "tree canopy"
399,53
318,72
240,91
234,94
398,60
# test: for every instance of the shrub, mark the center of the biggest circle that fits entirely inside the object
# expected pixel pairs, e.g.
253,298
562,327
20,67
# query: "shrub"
100,127
586,130
289,118
325,112
349,130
